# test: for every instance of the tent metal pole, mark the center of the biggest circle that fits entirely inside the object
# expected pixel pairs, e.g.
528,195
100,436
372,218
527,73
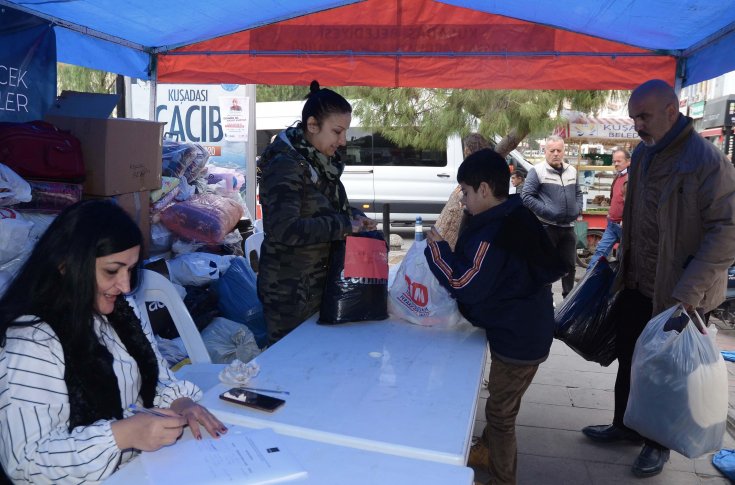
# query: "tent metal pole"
250,154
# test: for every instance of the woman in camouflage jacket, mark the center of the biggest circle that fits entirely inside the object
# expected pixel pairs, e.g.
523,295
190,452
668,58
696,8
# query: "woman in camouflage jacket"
305,208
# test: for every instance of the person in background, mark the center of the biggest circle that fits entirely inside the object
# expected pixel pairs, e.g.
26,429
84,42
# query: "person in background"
305,208
613,231
678,240
500,273
552,193
76,354
516,179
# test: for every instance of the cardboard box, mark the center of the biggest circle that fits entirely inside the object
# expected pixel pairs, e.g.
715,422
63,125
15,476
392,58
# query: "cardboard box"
120,155
138,205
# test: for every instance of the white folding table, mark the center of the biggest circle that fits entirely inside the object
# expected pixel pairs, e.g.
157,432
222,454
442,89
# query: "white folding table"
387,386
328,464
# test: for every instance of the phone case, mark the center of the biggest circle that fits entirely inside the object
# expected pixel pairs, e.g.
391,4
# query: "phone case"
253,400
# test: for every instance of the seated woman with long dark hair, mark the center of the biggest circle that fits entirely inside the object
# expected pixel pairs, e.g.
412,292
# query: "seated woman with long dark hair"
75,355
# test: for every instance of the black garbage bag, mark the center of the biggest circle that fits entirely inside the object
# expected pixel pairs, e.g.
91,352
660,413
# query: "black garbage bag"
582,322
356,299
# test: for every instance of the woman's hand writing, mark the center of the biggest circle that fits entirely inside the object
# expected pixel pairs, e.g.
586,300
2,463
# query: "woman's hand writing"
196,415
146,432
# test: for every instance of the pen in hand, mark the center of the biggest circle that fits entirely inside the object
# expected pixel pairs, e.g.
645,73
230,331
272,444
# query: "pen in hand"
135,409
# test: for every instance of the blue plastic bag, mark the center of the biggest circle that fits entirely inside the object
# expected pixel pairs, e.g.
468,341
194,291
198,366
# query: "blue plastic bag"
238,298
724,460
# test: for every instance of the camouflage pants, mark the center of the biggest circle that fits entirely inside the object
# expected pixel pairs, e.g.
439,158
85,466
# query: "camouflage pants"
289,300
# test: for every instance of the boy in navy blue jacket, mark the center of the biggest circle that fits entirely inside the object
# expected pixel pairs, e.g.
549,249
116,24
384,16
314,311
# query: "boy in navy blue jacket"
500,274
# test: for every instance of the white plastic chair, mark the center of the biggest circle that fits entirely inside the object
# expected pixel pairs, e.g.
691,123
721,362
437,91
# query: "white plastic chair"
258,226
155,287
252,244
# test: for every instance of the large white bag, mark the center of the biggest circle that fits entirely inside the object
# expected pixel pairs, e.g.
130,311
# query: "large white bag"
13,188
417,296
678,389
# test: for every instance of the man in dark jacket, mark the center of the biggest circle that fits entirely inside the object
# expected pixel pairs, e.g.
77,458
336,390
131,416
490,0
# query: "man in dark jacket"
551,191
678,241
501,275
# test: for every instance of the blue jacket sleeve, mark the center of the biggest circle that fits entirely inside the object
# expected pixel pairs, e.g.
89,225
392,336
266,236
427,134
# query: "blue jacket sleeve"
469,279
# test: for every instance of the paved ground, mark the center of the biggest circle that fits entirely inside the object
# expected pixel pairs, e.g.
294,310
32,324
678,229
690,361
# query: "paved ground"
569,393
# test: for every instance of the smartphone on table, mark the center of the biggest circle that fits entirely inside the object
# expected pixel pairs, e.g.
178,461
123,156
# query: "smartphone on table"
252,399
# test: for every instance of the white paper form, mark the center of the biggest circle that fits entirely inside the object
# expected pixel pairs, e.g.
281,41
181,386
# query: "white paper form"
244,456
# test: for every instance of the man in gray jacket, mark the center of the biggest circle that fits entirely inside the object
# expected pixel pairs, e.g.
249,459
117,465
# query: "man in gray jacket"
678,240
552,193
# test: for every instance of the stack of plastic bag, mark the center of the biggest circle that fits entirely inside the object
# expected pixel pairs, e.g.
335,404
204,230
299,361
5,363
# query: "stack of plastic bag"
582,322
678,387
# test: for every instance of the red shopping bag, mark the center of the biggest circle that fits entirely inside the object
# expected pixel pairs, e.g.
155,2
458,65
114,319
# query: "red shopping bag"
366,258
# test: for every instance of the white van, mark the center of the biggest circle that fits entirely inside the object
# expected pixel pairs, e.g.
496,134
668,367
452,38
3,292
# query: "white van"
378,172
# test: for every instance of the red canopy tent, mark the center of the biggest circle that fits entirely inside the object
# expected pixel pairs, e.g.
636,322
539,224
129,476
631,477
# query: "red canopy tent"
417,43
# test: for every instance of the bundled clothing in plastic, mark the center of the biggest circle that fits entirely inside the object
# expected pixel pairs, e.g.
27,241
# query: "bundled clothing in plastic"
679,385
500,274
582,319
356,288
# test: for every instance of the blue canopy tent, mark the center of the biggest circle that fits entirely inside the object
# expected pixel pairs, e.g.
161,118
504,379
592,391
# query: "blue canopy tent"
128,36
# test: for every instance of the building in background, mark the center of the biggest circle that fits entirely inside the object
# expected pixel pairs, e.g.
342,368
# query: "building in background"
712,106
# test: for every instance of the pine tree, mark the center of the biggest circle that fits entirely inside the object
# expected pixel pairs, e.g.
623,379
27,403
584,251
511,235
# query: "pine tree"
77,78
424,118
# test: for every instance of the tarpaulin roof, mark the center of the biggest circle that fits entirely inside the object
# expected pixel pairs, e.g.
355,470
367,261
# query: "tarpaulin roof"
564,44
123,36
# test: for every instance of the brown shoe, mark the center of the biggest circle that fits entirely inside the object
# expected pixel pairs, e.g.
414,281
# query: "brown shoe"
479,456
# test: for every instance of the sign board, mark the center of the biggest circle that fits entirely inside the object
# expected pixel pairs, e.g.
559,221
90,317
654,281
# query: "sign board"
27,68
719,112
696,110
212,115
600,128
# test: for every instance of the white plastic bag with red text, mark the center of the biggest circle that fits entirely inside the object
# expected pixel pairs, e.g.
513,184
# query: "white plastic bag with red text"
417,296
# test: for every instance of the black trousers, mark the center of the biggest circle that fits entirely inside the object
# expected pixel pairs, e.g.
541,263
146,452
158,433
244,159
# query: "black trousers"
565,242
631,313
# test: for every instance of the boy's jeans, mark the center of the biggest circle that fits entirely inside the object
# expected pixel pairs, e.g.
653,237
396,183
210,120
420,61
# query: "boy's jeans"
613,233
506,385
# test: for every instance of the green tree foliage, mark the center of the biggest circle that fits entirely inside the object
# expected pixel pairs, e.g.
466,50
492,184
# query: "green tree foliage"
266,92
425,117
77,78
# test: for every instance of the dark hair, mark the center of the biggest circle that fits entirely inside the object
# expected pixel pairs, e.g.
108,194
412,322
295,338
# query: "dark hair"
58,281
518,174
58,285
485,166
320,103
